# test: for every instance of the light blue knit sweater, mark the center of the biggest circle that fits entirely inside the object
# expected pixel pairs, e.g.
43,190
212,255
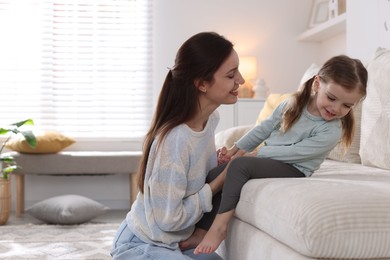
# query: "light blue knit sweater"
175,194
305,145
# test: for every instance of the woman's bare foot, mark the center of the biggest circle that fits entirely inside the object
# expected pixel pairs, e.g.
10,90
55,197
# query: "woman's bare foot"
194,240
211,241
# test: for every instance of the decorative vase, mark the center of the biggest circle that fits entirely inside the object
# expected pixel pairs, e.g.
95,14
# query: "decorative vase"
260,90
5,200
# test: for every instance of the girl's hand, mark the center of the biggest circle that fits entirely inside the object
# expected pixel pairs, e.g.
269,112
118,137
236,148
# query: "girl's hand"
222,155
239,153
253,154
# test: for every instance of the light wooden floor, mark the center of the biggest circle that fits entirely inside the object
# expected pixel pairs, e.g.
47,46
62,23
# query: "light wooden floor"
111,216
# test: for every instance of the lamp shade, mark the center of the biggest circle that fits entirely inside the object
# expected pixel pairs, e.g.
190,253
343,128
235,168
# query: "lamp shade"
248,67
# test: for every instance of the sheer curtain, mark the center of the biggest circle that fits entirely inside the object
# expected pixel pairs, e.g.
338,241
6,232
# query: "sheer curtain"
80,67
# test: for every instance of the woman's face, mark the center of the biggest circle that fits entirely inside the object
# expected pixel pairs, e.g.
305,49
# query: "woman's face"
224,89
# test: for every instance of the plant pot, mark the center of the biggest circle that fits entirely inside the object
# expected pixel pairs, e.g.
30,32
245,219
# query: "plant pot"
5,200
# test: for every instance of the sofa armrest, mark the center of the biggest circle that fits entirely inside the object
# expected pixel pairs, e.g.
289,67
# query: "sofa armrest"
229,136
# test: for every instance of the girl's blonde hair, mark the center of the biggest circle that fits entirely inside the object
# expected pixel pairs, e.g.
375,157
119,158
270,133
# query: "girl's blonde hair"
342,70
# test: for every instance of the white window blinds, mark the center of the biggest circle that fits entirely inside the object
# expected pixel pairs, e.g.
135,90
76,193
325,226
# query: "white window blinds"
82,67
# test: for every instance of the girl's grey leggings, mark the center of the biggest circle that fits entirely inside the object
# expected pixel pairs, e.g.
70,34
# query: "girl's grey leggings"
239,172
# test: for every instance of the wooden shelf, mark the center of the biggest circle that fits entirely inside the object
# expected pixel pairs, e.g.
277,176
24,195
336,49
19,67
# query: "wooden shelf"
325,30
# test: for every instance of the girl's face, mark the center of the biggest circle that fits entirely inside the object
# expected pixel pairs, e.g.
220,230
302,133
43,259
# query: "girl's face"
332,101
224,89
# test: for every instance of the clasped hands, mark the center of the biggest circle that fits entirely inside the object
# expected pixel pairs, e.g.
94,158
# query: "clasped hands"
224,154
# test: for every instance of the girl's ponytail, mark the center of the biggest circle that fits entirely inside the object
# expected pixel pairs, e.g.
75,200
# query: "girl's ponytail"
296,104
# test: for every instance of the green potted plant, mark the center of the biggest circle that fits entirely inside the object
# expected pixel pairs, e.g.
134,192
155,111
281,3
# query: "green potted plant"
8,161
8,165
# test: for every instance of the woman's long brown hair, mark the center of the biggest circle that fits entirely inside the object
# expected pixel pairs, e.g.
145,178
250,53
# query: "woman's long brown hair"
197,59
342,70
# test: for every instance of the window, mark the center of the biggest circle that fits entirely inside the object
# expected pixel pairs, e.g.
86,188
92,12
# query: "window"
82,67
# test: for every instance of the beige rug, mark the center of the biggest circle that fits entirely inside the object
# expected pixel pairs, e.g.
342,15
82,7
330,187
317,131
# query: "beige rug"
87,241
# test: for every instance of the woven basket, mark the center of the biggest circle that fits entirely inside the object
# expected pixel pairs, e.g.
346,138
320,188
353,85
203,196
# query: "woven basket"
5,200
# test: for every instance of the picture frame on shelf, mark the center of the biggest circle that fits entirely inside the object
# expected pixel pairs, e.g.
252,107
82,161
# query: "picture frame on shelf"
319,12
342,6
336,8
333,9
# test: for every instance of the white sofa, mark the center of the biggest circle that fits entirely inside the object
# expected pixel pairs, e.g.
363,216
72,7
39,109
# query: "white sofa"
341,212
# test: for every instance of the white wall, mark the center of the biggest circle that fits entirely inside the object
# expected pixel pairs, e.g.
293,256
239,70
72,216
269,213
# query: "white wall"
265,29
332,47
364,36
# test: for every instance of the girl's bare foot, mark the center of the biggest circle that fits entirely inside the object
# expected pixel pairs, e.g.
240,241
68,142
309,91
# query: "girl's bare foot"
216,234
193,240
211,241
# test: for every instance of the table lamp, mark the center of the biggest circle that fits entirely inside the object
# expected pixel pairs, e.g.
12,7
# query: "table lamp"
248,70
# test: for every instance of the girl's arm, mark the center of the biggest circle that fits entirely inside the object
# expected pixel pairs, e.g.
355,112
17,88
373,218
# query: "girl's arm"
315,146
252,139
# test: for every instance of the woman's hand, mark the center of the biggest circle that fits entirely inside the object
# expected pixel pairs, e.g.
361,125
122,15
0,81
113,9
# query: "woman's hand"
223,153
222,156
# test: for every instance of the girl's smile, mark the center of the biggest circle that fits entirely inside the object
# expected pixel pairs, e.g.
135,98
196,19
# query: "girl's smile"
332,101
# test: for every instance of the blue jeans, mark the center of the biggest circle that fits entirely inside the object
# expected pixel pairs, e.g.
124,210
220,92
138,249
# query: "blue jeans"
127,246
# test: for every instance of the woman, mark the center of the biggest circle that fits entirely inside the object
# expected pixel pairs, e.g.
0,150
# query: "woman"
179,151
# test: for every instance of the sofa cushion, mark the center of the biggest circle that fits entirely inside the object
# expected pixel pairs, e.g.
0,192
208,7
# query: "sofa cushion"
47,142
375,133
272,101
67,209
228,137
333,214
309,73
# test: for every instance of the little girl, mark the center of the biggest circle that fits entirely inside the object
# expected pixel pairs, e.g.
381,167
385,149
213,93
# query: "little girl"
297,137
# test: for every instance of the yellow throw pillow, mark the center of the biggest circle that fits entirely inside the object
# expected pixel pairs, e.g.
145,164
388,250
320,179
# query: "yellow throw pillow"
272,101
47,142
